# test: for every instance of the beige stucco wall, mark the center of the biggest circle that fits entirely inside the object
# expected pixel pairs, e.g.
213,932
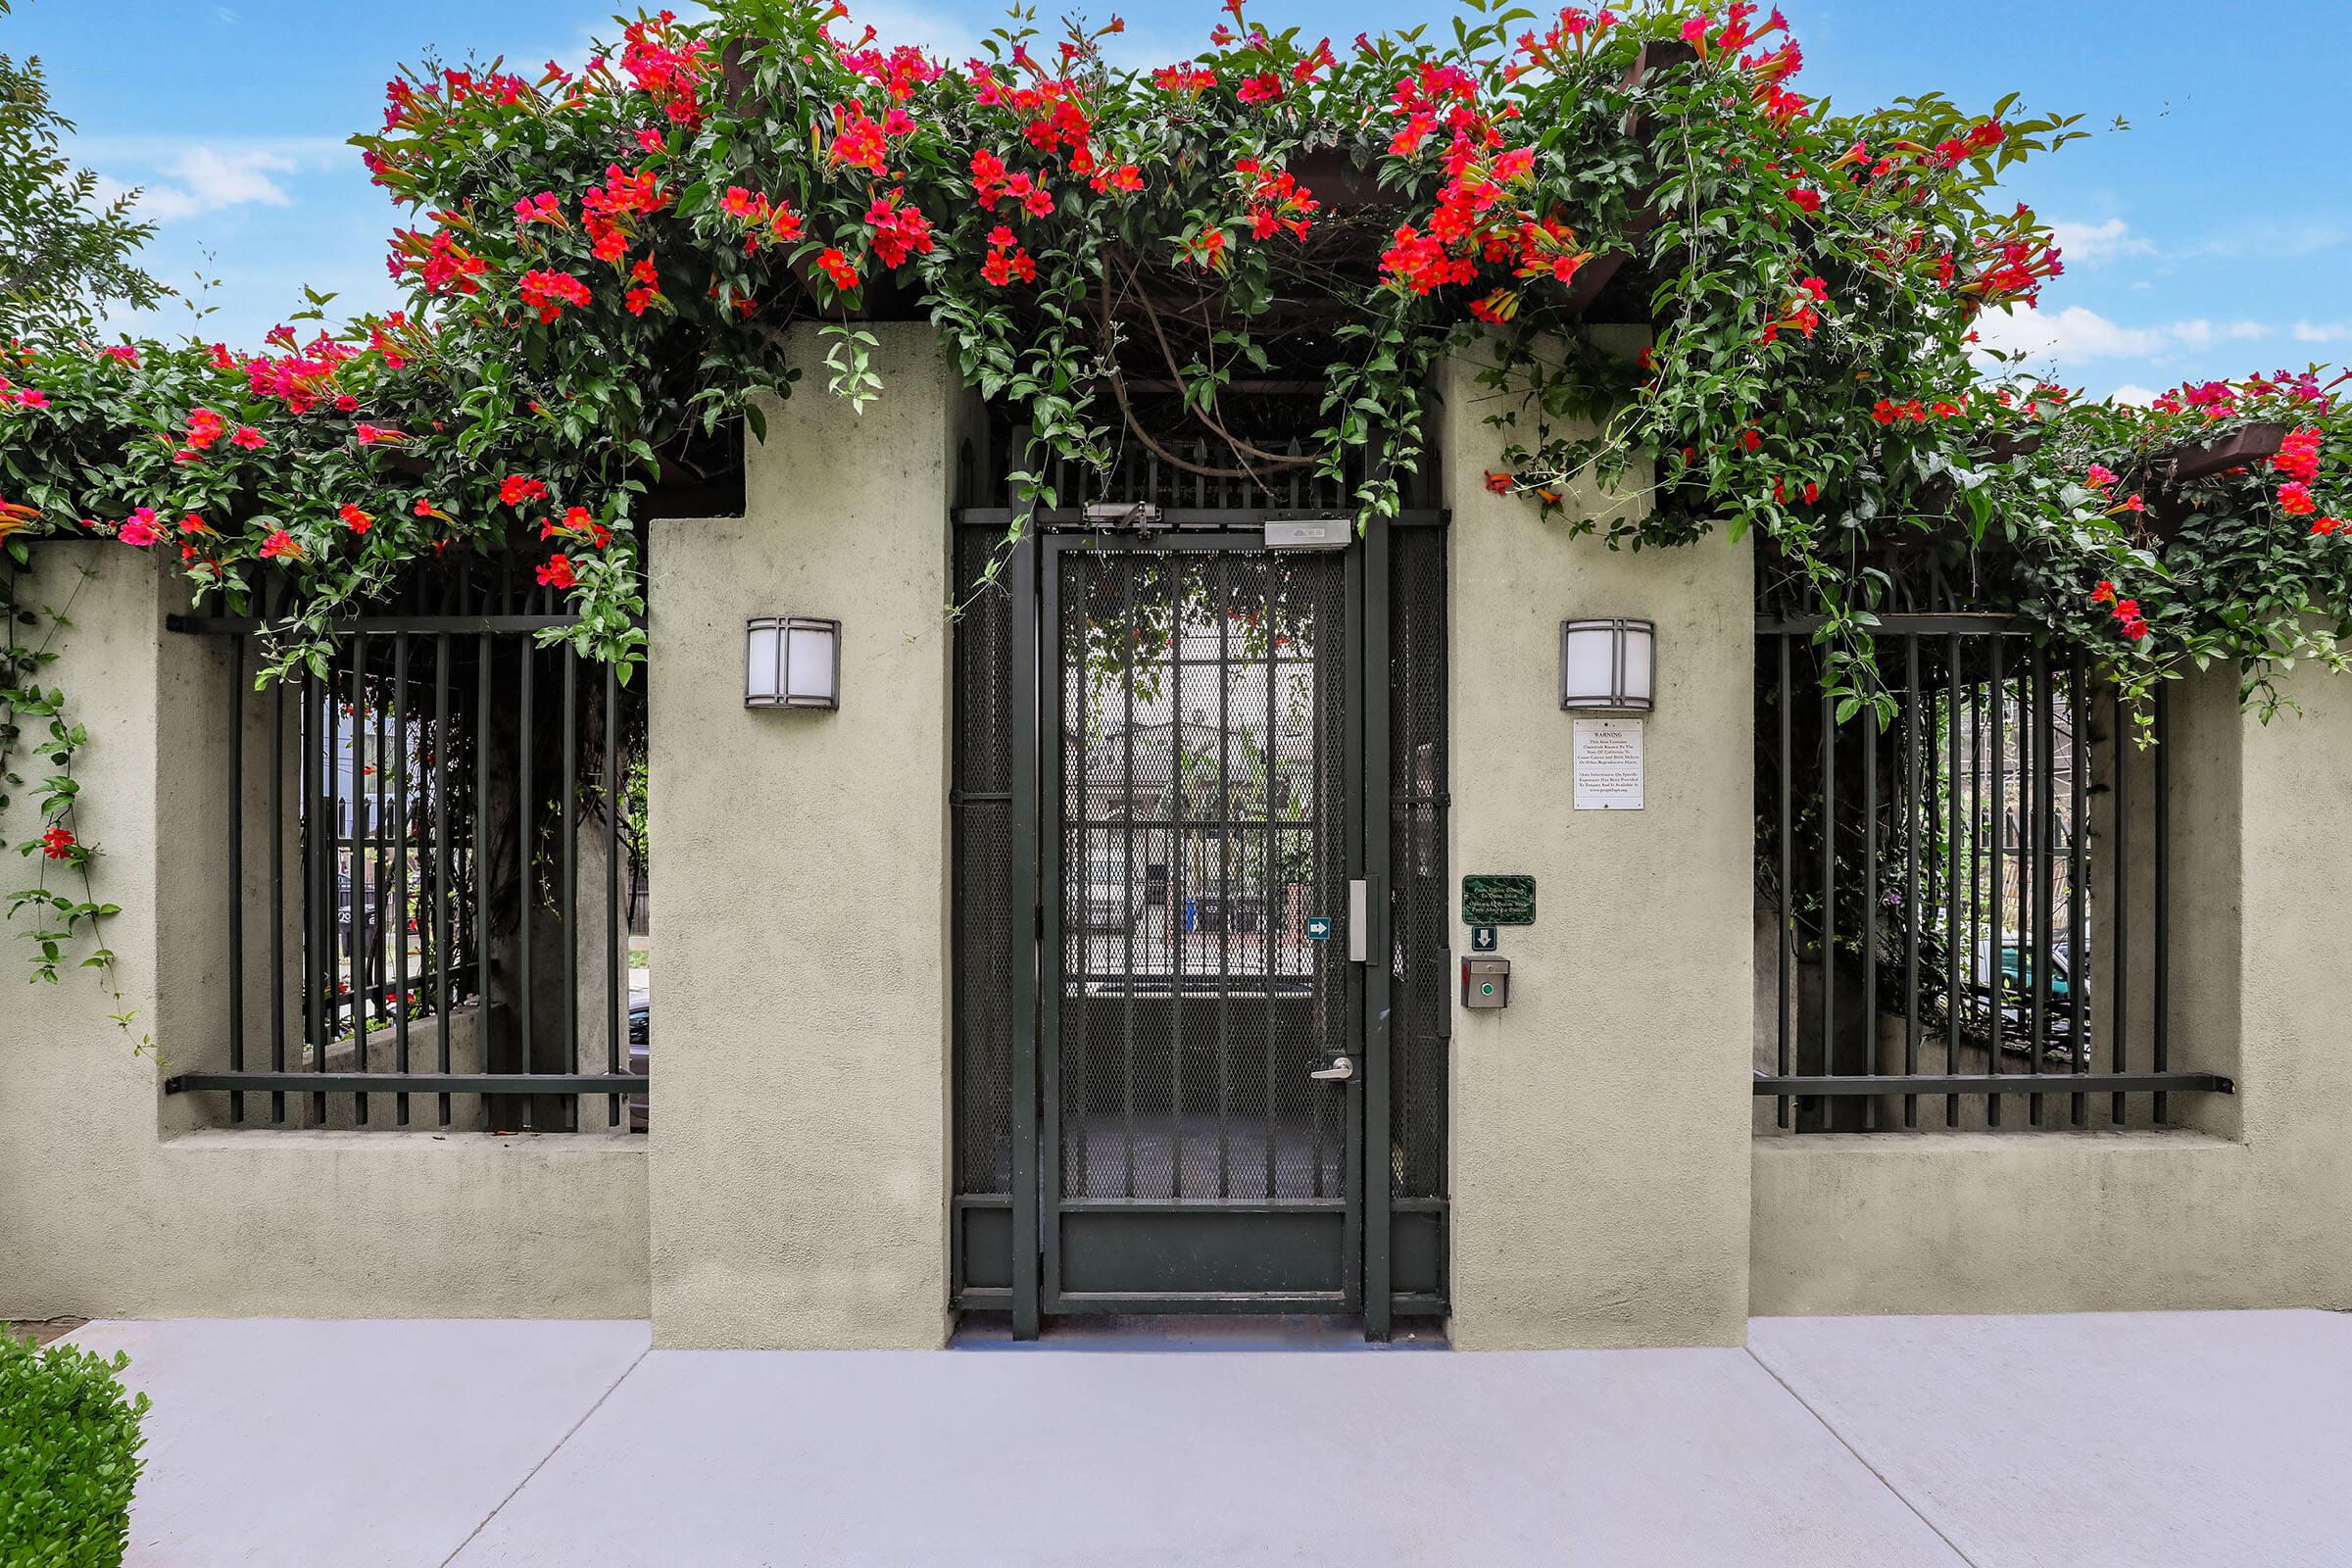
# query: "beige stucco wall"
113,1202
2244,1207
799,1178
1600,1123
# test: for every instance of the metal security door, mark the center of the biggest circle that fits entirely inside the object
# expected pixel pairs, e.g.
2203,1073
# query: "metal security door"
1199,1023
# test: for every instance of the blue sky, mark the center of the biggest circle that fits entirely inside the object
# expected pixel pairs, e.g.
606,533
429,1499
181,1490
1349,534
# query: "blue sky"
2211,238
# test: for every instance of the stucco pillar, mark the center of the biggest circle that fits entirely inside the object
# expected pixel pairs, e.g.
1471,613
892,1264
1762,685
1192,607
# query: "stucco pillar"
799,1036
2293,987
1601,1122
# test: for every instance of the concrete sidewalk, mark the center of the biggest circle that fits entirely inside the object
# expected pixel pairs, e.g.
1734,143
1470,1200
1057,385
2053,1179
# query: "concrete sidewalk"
2161,1438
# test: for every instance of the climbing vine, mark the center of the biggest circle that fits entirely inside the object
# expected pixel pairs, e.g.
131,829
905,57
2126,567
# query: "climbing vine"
603,263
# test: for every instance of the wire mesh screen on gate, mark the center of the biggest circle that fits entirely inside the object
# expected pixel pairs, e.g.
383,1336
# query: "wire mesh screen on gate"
1421,1001
982,806
1202,772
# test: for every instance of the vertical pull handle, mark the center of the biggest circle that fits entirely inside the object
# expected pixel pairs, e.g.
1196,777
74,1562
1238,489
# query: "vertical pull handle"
1359,919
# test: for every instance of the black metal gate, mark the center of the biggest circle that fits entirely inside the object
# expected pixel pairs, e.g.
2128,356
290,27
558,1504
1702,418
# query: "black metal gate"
1199,802
1200,1025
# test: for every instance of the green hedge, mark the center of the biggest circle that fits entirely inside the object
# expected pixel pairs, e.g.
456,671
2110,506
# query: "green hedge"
69,1456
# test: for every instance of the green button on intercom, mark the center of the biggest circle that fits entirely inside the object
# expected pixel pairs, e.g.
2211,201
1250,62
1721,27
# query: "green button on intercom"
1486,982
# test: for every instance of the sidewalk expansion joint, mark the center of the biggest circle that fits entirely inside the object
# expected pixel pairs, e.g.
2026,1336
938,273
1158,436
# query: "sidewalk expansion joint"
1859,1457
553,1449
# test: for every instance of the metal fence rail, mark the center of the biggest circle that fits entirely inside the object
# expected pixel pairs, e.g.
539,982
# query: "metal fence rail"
1952,895
407,830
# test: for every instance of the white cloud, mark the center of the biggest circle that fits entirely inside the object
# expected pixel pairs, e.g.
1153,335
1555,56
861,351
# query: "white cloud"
205,180
2131,392
2078,333
2202,333
180,181
2073,333
2093,243
2322,331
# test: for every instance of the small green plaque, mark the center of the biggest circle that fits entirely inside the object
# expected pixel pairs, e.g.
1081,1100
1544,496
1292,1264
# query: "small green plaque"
1498,901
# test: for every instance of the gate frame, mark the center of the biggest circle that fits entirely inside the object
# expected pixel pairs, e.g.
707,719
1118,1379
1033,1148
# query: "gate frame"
1370,1131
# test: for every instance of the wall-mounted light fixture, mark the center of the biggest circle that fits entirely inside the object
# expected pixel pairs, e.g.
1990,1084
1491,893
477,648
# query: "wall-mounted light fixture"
792,662
1608,665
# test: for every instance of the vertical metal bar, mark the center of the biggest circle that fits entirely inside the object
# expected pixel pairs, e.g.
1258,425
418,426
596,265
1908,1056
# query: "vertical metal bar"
2045,829
2078,866
526,821
1912,815
616,969
400,868
1323,653
1786,1016
1134,917
2120,852
1032,938
1829,899
369,807
441,895
2046,846
1341,681
236,872
2033,775
1225,837
1870,902
1998,1028
485,651
1273,566
1955,832
1178,577
1369,689
326,916
572,868
278,892
2160,1013
360,873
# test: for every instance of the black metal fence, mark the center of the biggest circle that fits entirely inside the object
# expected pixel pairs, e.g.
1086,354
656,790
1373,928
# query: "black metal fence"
433,865
1953,895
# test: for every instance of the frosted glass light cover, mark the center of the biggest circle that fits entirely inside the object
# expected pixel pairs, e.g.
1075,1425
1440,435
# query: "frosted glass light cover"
792,662
1608,664
1640,639
808,664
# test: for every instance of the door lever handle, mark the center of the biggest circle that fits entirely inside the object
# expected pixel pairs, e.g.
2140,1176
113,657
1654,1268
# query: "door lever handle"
1341,1069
